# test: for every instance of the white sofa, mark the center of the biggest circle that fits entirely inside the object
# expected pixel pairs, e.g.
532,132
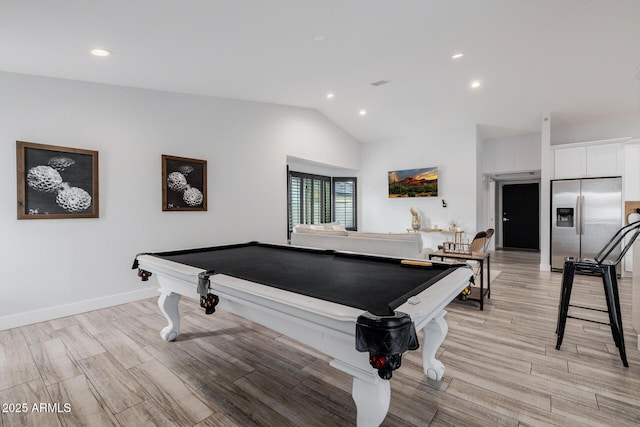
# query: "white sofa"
334,236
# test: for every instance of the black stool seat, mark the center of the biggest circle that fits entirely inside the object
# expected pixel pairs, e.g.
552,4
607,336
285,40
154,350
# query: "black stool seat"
606,269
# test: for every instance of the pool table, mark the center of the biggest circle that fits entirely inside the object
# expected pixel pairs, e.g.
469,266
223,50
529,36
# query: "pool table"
361,310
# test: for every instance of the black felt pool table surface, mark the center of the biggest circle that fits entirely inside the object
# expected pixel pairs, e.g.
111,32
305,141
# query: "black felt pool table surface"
375,284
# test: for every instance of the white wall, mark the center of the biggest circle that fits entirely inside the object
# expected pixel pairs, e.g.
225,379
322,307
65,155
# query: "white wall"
546,172
594,131
52,268
452,151
315,168
482,187
506,155
511,154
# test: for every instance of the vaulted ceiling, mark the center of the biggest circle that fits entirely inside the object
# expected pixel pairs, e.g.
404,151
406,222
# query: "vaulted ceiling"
577,59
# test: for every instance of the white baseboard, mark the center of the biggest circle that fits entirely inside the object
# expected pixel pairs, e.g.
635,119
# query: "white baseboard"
545,267
50,313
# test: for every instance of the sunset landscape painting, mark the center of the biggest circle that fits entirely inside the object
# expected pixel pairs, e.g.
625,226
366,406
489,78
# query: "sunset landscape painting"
414,183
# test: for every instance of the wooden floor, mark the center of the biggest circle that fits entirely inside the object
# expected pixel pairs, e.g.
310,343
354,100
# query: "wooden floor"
110,367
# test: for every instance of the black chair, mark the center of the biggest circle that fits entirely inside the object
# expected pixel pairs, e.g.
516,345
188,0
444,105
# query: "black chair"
599,266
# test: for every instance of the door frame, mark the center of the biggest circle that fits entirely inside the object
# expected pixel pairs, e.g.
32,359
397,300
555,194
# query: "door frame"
492,211
498,217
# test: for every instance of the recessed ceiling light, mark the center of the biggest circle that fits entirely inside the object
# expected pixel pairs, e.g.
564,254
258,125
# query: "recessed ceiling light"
475,84
363,112
457,55
100,52
330,95
319,38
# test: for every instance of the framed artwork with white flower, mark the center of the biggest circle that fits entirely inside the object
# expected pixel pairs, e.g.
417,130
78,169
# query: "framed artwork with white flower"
184,184
56,182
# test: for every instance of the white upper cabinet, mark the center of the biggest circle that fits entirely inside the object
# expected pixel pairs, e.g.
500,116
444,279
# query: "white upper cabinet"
590,161
602,160
570,162
632,171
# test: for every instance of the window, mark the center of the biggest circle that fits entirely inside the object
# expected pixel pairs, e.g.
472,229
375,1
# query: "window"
344,202
309,199
315,199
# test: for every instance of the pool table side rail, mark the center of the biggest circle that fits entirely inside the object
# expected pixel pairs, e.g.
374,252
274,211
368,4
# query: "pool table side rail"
235,287
170,268
428,303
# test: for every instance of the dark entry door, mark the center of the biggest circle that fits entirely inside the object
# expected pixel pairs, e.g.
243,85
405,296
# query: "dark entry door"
521,216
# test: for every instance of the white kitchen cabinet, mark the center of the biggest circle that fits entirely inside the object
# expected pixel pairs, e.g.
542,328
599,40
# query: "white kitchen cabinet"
632,171
602,160
570,162
588,161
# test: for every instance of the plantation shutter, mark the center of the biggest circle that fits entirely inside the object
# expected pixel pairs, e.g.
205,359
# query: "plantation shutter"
344,202
295,204
326,202
309,199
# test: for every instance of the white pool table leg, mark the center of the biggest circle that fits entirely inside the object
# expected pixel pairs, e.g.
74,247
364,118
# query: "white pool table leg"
168,303
371,394
372,401
434,334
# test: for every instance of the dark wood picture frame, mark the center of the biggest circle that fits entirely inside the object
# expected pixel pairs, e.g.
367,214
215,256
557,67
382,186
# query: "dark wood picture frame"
56,182
184,184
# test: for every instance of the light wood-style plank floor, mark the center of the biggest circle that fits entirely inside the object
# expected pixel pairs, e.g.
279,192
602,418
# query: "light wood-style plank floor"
110,367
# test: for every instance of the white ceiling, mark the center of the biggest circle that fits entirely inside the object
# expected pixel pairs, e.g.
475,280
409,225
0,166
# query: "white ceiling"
575,58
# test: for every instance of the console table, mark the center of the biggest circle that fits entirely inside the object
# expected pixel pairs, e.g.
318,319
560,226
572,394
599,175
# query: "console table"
457,235
473,256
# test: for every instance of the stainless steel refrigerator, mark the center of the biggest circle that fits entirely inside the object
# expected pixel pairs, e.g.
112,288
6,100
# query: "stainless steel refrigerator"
585,214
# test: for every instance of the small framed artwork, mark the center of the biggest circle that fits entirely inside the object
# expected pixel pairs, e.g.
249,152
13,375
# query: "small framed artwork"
184,184
414,183
56,182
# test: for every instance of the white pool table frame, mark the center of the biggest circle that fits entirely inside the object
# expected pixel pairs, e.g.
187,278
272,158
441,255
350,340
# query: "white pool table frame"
324,326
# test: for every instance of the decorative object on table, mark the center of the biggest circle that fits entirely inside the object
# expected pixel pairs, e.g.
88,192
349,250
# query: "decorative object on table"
456,245
416,223
413,183
630,208
56,182
456,248
465,293
184,184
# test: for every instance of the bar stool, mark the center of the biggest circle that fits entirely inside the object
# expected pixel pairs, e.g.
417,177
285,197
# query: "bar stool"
606,269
